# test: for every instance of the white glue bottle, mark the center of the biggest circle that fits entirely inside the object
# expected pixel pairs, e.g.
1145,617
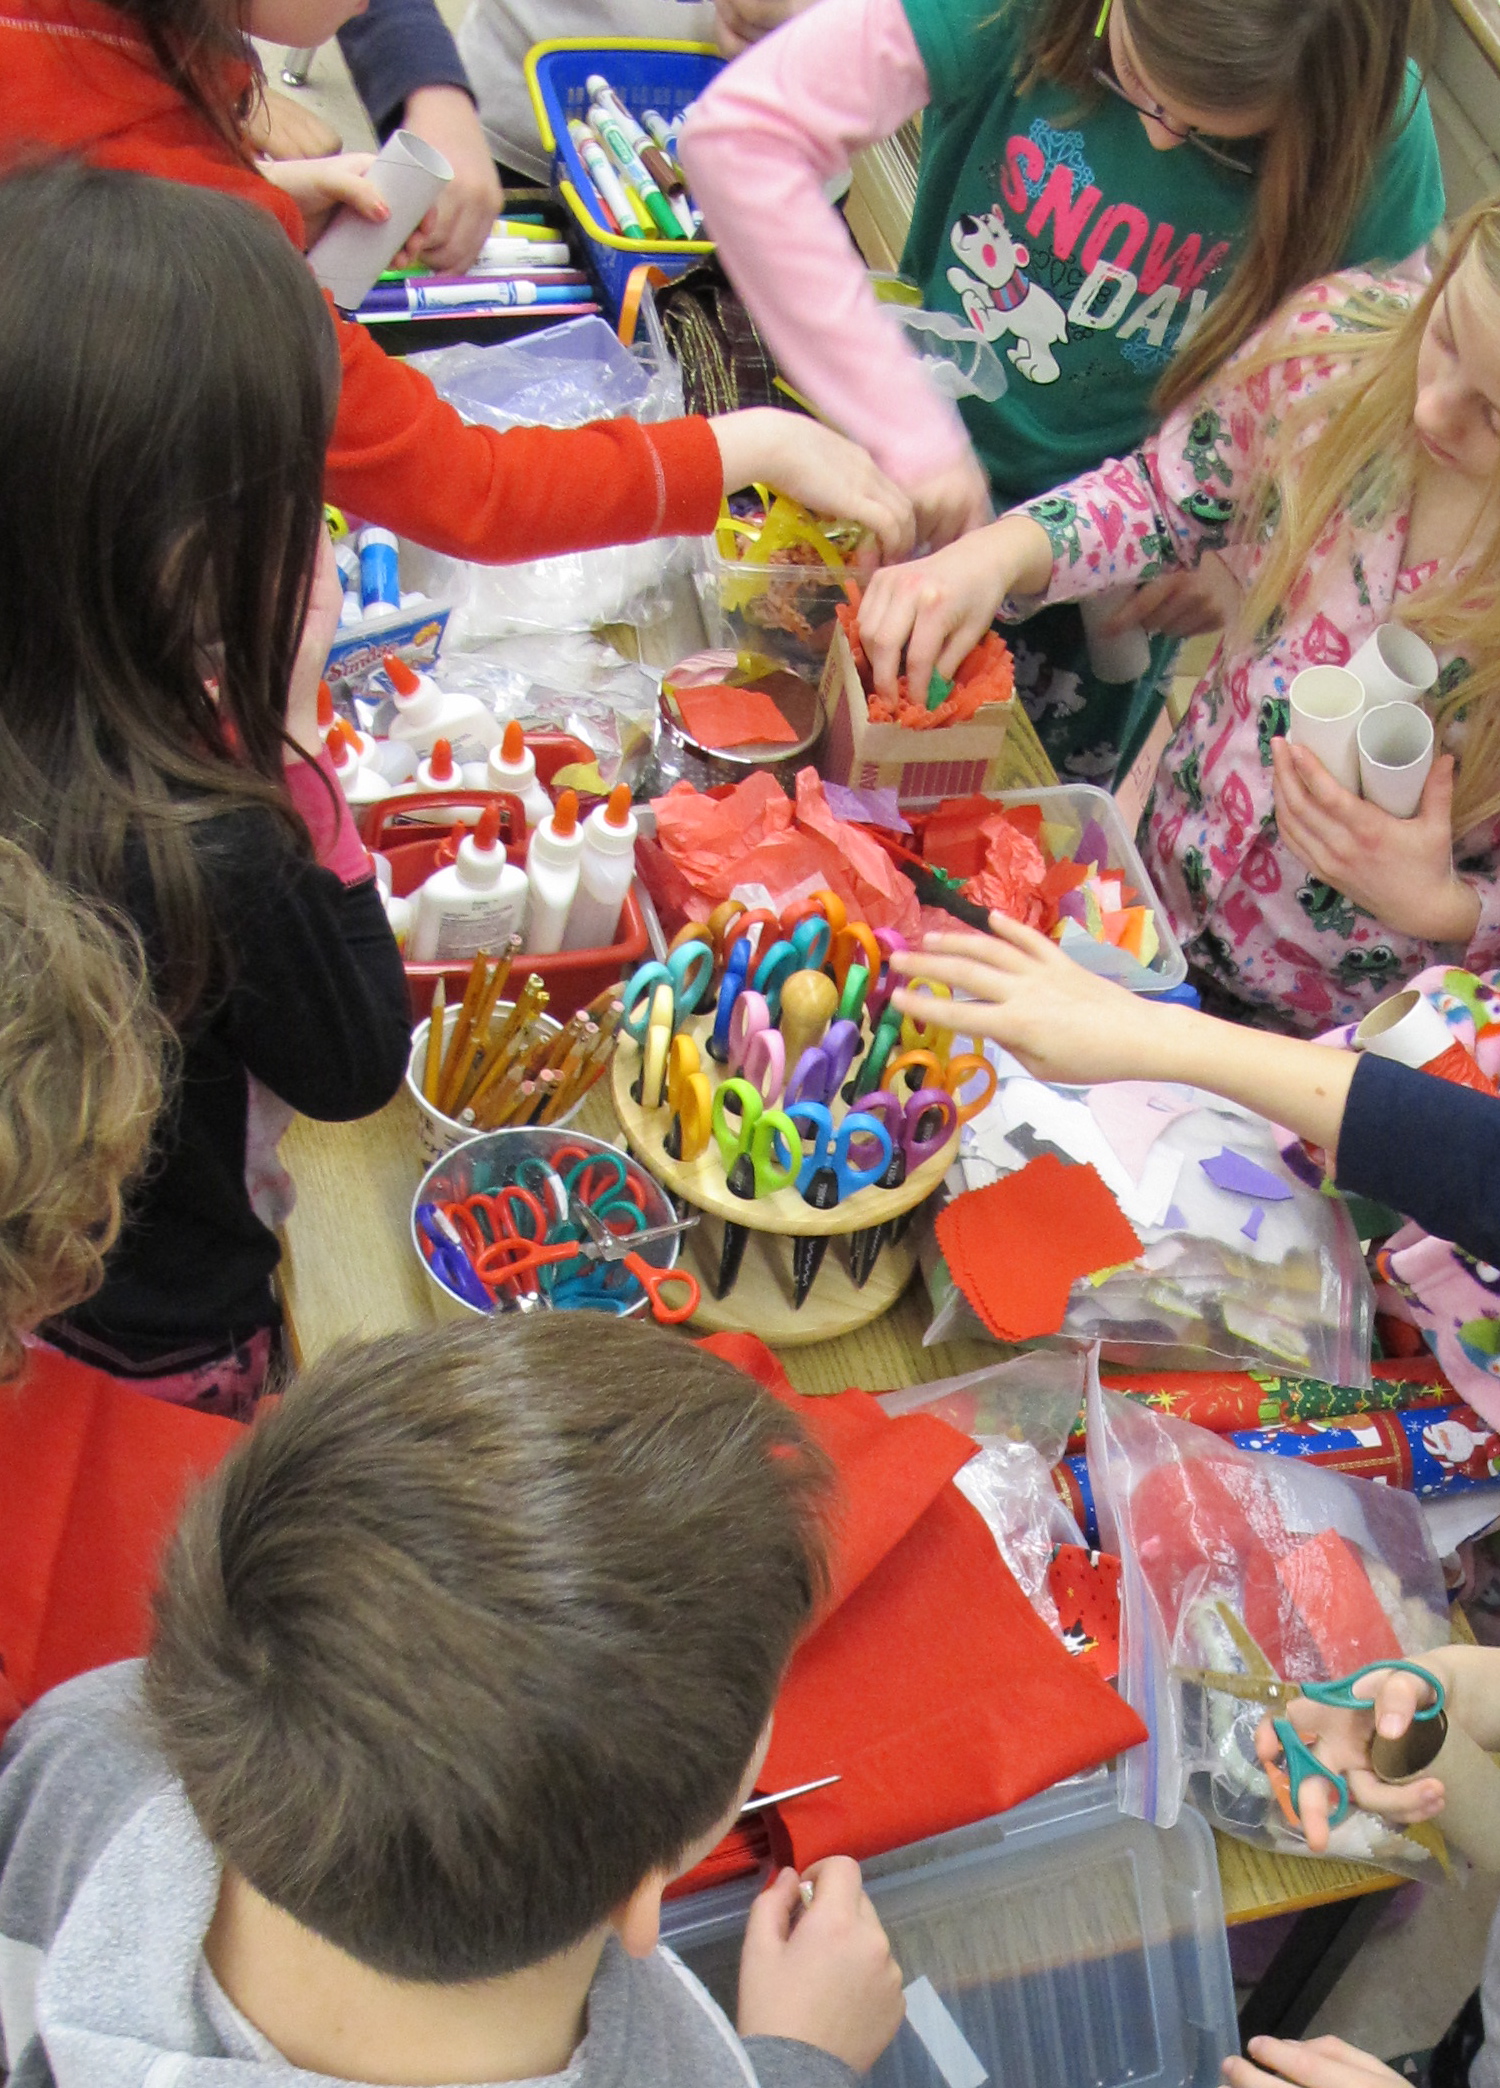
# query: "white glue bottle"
439,771
512,766
478,903
605,871
425,714
361,783
553,856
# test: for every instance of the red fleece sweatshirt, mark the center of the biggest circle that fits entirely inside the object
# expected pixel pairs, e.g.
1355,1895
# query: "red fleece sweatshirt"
75,79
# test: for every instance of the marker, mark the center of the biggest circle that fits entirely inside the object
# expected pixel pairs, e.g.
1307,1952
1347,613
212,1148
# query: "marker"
491,294
662,137
522,228
604,178
543,252
617,144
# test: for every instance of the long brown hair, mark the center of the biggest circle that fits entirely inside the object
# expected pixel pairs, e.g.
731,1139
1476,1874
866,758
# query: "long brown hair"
169,374
207,56
1334,71
1351,445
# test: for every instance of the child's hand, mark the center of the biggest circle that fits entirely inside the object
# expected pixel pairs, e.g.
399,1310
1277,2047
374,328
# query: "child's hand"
1061,1022
1341,1739
829,474
1182,604
462,219
825,1977
319,187
937,609
1322,2062
1399,870
952,502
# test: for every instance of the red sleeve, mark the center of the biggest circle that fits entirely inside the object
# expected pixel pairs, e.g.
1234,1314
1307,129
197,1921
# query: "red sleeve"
402,457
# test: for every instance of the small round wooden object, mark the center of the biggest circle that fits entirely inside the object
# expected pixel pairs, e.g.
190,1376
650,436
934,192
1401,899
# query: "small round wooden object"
702,1181
808,1000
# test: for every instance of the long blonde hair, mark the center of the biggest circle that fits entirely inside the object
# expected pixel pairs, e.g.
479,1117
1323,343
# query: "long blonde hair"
1351,448
1334,71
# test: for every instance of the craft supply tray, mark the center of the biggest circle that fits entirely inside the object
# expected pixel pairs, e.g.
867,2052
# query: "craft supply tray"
1059,1945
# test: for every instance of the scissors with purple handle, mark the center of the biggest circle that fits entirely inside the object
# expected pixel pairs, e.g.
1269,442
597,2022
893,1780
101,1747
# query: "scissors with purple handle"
823,1068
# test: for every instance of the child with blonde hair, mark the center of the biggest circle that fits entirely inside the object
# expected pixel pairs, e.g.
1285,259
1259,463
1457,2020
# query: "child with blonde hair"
1346,463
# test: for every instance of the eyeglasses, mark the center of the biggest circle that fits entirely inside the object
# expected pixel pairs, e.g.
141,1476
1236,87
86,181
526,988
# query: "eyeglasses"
1104,77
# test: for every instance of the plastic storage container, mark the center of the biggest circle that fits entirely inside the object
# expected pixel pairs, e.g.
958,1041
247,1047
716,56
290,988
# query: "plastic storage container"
787,613
400,829
645,75
1082,802
1059,1945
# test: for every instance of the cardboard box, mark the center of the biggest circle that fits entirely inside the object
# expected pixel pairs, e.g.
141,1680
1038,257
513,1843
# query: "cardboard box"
996,750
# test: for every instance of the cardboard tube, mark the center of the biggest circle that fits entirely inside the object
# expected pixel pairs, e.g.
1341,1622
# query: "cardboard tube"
1406,1028
1395,665
1325,706
353,251
1395,757
1115,656
1470,1818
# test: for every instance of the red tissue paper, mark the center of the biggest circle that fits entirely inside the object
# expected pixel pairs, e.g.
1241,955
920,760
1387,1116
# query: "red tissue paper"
929,1686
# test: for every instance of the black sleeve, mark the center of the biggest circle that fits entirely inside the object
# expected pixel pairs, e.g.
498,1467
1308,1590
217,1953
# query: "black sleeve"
1427,1148
393,49
317,1008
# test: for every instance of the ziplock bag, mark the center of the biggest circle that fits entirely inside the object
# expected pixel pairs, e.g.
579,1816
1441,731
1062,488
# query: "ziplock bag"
1238,1564
1243,1260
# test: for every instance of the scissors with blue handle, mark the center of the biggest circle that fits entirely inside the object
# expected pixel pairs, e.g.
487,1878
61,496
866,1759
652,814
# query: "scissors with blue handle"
732,985
687,971
752,1149
825,1150
447,1259
775,968
823,1068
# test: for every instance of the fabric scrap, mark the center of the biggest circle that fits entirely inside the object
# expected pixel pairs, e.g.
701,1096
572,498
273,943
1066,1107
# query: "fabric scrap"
1244,1177
719,715
1016,1248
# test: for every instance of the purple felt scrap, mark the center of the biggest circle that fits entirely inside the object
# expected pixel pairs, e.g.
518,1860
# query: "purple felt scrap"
1174,1220
1092,846
1252,1225
1242,1177
877,808
1074,907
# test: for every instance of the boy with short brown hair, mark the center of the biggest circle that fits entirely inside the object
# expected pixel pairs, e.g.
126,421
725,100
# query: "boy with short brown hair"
463,1655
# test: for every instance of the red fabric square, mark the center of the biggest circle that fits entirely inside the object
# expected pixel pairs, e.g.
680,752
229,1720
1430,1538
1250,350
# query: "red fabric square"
1016,1248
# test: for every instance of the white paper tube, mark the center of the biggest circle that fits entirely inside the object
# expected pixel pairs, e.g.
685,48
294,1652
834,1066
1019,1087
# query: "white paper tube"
353,252
1325,706
1470,1817
1395,666
1395,755
1115,656
1406,1028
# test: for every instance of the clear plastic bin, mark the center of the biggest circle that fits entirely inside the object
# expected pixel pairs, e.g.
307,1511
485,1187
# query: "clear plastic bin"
1079,803
788,613
1059,1945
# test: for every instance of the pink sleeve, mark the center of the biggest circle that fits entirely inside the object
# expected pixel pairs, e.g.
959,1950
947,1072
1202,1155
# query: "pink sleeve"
315,791
785,118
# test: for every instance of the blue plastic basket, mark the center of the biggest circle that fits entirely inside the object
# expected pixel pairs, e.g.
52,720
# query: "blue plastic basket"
660,76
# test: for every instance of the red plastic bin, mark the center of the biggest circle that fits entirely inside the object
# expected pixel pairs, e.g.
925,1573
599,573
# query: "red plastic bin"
574,977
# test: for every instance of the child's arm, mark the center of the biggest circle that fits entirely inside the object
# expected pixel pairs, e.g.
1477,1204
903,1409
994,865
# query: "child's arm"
319,187
1425,1146
1320,2062
758,147
823,1976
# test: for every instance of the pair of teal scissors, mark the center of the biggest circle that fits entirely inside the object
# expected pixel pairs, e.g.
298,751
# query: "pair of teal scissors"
687,971
752,1149
803,950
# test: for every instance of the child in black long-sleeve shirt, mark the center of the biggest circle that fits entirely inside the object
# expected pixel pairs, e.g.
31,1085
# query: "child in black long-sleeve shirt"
168,602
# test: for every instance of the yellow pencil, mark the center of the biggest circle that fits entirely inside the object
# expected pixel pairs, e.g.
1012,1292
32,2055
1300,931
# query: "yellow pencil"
481,1043
432,1065
458,1044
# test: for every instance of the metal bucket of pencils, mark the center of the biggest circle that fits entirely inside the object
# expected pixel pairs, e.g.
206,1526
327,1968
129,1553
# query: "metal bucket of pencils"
492,1182
498,1063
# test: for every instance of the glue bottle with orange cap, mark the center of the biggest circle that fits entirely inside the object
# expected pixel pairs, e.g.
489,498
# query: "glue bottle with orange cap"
424,714
512,766
554,855
361,783
605,871
477,903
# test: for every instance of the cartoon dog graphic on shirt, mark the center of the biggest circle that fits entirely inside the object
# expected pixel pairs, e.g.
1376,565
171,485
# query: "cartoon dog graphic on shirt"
998,298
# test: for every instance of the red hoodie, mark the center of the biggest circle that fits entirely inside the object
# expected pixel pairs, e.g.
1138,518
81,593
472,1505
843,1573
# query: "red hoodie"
75,79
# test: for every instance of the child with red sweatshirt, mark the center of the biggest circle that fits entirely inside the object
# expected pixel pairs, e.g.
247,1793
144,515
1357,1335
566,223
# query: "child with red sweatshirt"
157,87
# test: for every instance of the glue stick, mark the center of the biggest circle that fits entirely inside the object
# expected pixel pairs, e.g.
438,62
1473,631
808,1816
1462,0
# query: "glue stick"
553,857
606,870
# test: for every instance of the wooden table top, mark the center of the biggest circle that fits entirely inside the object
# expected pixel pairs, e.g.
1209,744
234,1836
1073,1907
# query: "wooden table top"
348,1269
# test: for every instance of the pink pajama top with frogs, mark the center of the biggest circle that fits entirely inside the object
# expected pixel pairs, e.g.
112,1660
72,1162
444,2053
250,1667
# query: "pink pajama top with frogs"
1245,909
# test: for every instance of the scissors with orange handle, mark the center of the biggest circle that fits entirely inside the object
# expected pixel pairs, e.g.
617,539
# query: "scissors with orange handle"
954,1074
527,1260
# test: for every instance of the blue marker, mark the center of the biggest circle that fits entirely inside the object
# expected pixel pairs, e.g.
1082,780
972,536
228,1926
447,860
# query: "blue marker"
457,297
379,573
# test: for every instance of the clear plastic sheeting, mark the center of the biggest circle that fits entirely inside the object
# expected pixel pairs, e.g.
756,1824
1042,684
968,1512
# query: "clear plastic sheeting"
1236,1564
957,362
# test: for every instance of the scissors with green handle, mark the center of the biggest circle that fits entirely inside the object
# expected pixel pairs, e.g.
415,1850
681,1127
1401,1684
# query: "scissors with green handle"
1299,1762
752,1148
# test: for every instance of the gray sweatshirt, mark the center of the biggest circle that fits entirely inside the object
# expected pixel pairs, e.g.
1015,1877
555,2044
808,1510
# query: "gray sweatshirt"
107,1886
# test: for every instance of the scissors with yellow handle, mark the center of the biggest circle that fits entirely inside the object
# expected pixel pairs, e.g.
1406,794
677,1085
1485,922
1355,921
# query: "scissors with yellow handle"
690,1099
926,1070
